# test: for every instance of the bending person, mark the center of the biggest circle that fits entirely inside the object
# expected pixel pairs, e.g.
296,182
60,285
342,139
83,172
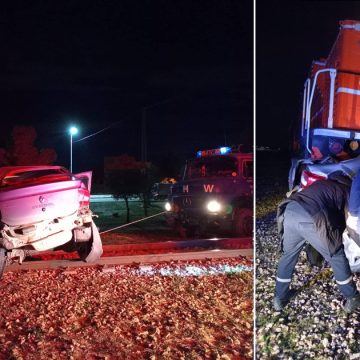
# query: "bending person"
316,215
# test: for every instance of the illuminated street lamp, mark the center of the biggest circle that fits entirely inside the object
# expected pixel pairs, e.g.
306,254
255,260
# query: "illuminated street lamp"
73,131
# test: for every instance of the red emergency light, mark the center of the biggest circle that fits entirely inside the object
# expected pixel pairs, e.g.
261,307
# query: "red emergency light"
220,151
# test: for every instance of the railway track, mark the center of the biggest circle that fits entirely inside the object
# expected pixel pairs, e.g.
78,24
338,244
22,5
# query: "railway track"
170,251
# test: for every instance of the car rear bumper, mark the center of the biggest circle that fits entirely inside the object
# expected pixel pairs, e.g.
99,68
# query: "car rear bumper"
43,235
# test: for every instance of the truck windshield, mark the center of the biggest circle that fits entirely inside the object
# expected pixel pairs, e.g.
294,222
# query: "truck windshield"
212,166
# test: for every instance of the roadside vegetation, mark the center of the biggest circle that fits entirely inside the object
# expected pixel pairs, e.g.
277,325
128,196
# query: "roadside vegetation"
114,213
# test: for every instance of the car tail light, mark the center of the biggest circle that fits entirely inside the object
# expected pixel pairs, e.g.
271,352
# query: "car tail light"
84,197
308,178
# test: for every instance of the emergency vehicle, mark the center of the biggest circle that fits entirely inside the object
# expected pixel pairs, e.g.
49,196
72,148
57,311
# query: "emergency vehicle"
328,131
214,192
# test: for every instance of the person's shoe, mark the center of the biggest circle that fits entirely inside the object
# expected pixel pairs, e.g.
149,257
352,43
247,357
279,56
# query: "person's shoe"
279,304
352,304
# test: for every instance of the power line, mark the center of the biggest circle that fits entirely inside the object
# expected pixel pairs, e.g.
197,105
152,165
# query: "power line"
98,132
115,123
143,108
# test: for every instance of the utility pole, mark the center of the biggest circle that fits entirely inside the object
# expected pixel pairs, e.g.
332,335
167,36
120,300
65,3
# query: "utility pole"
144,157
144,147
143,128
143,137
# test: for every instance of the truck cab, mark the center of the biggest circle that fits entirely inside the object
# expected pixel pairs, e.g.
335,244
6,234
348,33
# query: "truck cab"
328,130
214,192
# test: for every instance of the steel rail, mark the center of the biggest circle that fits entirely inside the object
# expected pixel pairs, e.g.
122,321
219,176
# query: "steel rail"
130,259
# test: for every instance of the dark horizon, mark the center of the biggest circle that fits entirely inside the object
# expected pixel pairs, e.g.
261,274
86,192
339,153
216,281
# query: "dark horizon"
99,65
287,42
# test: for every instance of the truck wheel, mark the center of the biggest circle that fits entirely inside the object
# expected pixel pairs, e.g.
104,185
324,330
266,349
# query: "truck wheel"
84,249
243,222
181,231
2,261
184,231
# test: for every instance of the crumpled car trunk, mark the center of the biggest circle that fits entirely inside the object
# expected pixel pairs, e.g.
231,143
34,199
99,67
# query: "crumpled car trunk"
40,206
38,203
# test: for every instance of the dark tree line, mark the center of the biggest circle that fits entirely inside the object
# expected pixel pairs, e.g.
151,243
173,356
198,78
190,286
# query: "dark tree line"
125,177
22,150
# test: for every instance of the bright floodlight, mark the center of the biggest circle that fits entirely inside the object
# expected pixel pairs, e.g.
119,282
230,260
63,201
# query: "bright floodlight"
168,206
73,130
213,206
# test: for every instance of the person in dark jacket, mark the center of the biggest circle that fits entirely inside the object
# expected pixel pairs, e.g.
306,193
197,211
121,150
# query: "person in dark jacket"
316,215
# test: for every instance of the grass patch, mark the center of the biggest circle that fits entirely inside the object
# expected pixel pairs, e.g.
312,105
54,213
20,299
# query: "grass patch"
269,204
111,214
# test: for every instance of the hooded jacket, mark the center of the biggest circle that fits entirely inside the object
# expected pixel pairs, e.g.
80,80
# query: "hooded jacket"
326,202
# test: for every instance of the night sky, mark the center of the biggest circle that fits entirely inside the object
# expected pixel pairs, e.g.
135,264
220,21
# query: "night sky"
289,35
98,64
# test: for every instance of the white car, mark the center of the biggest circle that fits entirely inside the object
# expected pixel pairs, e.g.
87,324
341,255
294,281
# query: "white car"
43,208
306,172
309,172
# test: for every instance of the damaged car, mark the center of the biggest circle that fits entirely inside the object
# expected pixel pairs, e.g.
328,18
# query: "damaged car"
44,208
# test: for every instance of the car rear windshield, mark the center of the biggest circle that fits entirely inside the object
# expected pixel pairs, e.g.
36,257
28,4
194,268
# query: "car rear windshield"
33,177
214,166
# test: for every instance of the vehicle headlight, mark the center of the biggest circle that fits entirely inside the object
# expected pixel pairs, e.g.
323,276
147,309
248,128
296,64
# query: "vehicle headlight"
167,206
214,206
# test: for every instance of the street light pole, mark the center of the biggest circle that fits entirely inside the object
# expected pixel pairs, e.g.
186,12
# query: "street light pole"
71,152
73,131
